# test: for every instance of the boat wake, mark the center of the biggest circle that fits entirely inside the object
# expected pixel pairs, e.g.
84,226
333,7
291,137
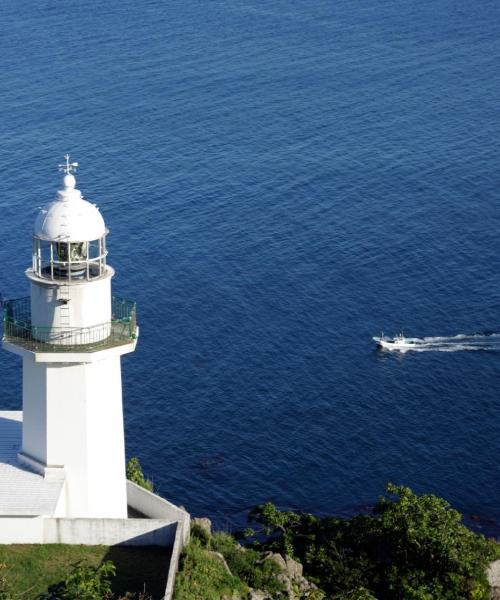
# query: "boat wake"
456,343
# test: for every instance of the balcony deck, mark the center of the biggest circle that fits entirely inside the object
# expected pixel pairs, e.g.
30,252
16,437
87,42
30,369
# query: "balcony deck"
120,331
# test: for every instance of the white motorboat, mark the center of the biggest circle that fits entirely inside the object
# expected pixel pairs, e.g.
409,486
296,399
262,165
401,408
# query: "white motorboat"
399,342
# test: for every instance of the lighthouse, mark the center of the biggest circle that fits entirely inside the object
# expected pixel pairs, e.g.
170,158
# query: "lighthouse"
71,333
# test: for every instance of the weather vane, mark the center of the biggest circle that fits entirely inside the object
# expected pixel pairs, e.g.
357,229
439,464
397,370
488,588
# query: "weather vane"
67,167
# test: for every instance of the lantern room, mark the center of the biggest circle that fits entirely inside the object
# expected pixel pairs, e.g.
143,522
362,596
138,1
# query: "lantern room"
69,238
70,304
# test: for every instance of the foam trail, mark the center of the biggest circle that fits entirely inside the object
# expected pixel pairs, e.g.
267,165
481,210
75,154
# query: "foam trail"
457,343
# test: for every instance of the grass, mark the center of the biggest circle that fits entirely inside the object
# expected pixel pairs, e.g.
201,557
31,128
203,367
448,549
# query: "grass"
31,568
203,577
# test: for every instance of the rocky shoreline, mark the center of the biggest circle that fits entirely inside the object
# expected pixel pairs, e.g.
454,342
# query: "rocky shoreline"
290,572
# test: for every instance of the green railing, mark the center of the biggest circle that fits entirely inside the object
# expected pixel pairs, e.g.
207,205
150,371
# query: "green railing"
17,329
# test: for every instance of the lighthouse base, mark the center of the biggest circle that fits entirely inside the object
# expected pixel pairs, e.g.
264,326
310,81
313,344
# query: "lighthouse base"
54,472
73,429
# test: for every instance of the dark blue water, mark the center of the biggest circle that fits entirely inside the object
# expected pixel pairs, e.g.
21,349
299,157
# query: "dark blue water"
282,180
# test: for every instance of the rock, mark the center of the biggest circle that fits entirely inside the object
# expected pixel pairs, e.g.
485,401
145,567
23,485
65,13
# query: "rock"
277,558
218,556
202,523
295,585
259,595
293,568
493,574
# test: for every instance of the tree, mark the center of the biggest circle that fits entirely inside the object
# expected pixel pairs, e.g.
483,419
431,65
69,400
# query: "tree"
411,548
426,551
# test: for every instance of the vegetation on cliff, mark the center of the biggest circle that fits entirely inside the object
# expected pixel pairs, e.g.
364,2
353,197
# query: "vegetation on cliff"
135,474
412,547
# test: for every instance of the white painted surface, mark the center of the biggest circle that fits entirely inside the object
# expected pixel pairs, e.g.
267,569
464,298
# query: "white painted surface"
73,419
68,304
72,403
34,442
71,357
156,507
69,218
89,532
167,525
21,530
110,532
54,472
22,492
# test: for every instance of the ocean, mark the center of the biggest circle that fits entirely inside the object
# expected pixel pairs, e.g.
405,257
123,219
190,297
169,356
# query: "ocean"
282,181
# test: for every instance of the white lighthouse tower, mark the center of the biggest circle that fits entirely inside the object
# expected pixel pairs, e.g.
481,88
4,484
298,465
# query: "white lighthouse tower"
71,333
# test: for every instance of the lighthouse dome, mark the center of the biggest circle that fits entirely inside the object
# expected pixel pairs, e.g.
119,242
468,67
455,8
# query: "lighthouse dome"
69,237
70,218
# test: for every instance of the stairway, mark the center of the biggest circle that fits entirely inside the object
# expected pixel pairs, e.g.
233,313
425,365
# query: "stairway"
64,312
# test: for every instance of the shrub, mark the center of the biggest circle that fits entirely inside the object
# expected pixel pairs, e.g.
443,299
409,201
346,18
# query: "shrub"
85,582
412,547
135,474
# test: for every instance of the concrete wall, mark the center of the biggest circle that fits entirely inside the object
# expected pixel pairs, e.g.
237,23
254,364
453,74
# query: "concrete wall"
174,564
89,532
110,532
21,530
155,507
166,525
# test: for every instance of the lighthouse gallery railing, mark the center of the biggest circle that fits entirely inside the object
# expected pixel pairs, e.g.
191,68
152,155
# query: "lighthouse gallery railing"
17,328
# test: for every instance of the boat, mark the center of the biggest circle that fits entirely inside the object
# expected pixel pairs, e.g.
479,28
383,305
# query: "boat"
399,342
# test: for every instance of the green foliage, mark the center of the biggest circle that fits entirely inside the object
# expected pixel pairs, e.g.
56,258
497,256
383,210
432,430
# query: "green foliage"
4,587
31,568
203,577
247,564
200,534
282,525
135,474
85,582
361,594
412,548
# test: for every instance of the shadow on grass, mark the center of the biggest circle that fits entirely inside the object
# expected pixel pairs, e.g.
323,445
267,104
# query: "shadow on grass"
139,569
31,568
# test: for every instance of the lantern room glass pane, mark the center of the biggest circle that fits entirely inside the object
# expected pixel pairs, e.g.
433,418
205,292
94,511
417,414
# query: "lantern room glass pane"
61,251
45,252
69,260
78,251
94,249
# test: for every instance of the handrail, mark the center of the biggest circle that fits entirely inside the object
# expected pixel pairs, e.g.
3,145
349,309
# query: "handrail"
122,329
